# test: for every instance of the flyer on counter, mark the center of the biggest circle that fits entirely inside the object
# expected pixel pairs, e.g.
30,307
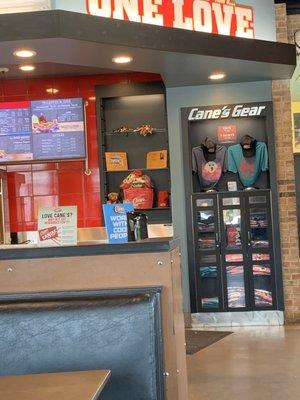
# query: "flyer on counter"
57,226
115,216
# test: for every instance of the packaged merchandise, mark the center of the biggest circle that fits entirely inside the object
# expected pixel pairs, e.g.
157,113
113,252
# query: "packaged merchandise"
163,199
138,190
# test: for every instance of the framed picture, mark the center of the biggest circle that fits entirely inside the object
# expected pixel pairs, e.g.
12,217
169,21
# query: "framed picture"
116,161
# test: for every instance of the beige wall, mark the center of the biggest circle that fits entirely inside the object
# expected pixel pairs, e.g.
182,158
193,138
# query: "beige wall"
286,178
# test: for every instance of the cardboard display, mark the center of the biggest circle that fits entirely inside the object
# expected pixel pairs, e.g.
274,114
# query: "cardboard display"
157,159
57,226
116,161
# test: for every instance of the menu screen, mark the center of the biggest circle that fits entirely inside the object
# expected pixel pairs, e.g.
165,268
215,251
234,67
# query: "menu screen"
42,130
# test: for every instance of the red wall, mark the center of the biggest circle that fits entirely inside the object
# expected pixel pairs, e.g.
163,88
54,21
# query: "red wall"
32,186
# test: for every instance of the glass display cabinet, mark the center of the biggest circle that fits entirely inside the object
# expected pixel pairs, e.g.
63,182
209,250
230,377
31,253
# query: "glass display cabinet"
233,251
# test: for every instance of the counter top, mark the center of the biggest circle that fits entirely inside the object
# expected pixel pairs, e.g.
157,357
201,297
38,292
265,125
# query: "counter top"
89,249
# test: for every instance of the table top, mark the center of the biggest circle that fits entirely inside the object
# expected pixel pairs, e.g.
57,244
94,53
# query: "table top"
79,385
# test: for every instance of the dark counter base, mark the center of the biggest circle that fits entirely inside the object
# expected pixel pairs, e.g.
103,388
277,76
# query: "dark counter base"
145,246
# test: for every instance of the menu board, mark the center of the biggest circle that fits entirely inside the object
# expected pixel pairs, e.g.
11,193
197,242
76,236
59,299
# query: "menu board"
42,130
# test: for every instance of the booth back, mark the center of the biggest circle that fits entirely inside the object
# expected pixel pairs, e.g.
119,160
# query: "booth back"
116,330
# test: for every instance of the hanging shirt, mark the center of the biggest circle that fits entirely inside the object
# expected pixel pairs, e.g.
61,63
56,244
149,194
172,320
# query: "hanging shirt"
209,172
248,168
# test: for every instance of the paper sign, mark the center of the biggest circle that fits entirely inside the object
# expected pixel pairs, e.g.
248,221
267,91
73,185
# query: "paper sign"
227,134
57,226
116,221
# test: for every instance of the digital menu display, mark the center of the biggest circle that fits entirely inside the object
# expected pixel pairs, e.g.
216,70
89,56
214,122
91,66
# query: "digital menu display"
42,130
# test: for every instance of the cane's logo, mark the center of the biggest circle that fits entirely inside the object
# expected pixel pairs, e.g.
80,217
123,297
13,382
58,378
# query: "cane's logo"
119,209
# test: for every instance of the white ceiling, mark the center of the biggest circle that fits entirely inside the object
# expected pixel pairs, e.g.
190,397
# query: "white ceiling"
17,6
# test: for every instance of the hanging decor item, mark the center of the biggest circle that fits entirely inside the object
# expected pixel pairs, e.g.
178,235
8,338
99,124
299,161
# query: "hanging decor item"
144,130
122,129
138,190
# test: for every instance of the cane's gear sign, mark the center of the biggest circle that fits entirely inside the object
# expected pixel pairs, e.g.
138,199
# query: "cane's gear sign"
237,111
223,17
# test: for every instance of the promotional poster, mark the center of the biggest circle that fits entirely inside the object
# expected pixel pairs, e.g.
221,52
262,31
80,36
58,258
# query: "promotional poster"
115,216
57,226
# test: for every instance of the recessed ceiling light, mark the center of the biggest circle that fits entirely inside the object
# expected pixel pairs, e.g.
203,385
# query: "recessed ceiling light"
122,59
27,68
217,76
52,90
24,53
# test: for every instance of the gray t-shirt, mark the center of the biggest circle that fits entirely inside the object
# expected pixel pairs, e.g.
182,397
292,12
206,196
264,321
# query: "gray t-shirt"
209,172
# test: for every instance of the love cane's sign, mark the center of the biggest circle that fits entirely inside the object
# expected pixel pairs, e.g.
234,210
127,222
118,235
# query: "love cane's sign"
223,17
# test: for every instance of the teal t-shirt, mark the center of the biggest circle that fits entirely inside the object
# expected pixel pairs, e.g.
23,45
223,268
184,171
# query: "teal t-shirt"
250,168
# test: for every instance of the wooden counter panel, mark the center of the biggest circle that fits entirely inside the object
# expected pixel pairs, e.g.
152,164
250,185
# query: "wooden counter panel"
112,272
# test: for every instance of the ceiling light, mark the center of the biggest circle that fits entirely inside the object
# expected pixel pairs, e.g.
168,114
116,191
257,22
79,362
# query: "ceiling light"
52,90
217,76
92,98
27,68
122,59
24,53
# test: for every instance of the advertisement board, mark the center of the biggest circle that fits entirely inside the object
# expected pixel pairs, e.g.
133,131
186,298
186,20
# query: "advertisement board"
42,130
115,216
57,226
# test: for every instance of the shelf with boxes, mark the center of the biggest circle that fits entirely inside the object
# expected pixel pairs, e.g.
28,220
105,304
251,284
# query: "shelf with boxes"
134,160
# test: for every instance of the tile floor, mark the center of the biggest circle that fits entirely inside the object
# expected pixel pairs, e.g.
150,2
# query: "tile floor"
251,364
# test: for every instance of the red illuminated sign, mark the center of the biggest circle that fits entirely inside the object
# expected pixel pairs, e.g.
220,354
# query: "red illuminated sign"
223,17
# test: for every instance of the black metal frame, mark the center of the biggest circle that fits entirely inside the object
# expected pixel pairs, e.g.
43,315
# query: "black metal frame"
104,92
186,153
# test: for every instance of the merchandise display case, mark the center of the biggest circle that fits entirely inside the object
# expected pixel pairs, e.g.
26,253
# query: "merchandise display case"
234,254
130,106
231,192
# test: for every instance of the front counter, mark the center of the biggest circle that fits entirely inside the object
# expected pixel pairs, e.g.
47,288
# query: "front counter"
115,307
